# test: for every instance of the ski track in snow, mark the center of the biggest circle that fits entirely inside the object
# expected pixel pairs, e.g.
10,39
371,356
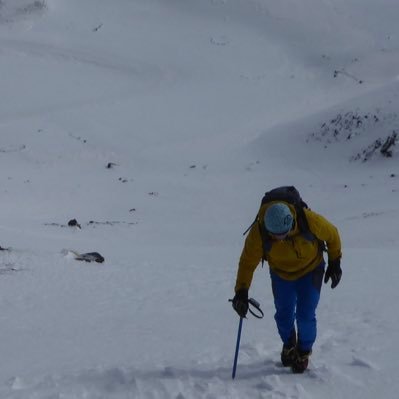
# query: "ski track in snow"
145,72
121,78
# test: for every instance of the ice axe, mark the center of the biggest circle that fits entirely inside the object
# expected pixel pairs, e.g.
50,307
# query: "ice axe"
259,315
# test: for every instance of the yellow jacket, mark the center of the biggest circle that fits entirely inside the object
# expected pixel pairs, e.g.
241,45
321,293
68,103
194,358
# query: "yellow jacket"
292,257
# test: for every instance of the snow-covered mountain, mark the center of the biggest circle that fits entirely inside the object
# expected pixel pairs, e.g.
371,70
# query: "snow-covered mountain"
158,125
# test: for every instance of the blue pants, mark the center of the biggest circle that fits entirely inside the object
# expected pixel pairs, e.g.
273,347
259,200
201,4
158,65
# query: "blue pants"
297,301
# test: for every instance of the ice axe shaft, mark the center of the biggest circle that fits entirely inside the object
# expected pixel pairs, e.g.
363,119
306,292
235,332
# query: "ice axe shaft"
237,348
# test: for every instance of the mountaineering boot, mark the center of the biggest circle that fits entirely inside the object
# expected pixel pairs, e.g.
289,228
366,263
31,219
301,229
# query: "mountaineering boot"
289,351
301,361
288,355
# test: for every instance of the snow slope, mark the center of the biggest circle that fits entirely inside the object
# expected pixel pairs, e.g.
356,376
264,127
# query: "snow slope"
199,107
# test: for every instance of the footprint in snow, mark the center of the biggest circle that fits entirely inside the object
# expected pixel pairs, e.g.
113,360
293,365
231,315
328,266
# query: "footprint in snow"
359,362
220,41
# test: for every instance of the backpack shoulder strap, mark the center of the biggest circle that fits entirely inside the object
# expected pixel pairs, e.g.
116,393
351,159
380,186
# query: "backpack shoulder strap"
266,242
303,224
251,225
307,232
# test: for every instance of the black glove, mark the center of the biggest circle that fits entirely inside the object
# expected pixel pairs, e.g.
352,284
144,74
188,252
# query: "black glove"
334,272
240,302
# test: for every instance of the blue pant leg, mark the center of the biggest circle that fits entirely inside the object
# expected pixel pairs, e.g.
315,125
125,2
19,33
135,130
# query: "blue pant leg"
285,297
309,288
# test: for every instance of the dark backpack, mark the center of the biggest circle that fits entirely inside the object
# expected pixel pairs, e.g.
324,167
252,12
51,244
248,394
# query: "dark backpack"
290,195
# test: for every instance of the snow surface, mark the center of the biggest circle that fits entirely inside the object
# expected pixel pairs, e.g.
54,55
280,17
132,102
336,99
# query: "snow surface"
201,105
